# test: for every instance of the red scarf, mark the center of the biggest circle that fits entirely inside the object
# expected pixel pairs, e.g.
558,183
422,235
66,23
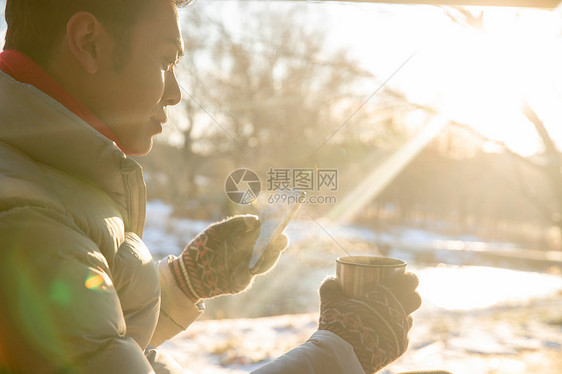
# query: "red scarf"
25,70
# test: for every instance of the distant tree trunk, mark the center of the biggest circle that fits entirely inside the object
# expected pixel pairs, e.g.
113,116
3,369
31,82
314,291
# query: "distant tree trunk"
553,167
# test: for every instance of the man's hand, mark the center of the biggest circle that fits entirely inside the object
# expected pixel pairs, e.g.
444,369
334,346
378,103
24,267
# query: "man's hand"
377,325
216,262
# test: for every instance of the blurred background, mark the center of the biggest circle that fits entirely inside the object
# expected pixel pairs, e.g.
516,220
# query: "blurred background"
444,128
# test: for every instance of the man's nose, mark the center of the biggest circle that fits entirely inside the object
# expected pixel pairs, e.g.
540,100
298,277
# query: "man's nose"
172,92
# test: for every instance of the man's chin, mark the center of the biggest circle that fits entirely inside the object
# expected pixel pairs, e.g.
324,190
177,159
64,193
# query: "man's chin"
140,148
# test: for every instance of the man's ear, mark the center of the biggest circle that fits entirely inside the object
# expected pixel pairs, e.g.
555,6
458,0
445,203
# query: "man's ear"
85,38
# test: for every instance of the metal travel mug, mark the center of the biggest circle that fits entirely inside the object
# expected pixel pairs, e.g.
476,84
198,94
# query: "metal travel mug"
358,275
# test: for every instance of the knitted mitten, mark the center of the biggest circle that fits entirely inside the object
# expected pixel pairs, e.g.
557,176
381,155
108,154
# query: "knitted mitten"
376,326
216,261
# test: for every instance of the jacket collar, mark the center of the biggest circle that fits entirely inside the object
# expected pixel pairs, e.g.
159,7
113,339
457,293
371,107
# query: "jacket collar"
23,69
49,133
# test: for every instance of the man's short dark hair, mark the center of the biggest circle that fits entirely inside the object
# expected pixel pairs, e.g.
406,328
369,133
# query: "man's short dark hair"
35,26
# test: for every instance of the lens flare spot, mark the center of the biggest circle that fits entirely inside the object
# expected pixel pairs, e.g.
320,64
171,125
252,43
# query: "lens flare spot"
97,281
59,293
94,281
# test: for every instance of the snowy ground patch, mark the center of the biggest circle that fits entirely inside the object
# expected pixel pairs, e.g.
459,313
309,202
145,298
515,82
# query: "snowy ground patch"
477,319
518,334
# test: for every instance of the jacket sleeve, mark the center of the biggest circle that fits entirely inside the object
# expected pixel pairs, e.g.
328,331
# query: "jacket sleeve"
323,353
177,312
60,311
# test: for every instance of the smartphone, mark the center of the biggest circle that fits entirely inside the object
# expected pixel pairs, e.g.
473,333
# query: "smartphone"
274,216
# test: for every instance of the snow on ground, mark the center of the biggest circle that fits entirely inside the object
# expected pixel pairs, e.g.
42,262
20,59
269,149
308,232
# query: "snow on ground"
164,234
518,334
239,345
474,319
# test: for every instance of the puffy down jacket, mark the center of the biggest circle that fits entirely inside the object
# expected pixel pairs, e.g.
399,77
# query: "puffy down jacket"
79,291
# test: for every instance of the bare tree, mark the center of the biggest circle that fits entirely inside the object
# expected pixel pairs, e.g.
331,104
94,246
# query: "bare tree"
552,167
270,87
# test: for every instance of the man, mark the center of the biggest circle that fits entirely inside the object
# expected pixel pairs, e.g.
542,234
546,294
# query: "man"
83,84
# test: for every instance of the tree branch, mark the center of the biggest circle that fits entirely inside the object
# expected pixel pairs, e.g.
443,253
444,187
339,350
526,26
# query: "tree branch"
498,143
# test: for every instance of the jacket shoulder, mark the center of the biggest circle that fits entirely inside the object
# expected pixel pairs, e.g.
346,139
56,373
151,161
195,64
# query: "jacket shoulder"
23,181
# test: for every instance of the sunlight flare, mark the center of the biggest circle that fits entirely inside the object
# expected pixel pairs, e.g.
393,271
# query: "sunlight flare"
478,287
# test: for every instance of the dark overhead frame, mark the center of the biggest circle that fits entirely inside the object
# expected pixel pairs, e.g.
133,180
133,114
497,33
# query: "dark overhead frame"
544,4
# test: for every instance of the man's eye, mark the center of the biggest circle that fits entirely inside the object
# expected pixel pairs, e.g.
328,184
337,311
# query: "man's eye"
172,63
169,65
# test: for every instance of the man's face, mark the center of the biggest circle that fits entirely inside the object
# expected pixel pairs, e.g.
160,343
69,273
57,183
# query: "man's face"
132,100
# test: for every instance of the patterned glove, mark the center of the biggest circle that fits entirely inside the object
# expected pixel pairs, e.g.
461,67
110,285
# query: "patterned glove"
404,290
216,261
376,326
